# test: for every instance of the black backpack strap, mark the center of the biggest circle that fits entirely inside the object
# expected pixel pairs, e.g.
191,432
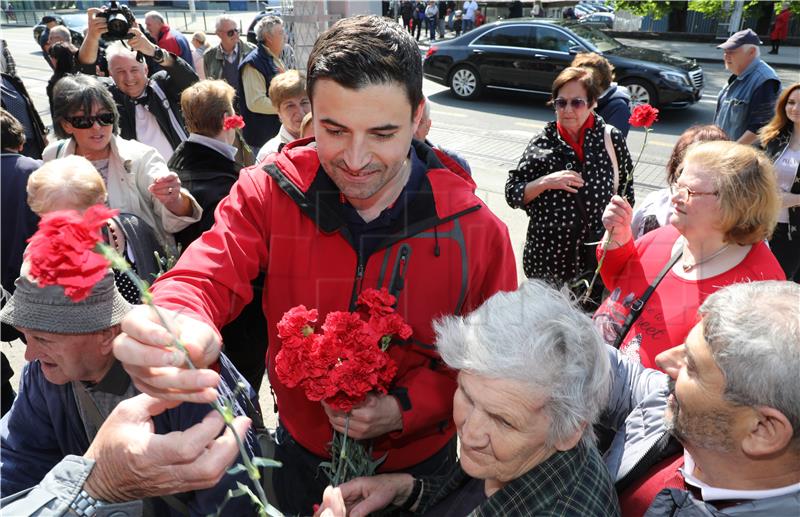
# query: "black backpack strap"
638,305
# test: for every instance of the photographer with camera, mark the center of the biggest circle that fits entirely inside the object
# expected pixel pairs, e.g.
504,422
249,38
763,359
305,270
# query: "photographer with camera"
149,106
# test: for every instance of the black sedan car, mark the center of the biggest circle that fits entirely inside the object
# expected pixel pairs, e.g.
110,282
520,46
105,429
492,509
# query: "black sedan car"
76,23
528,54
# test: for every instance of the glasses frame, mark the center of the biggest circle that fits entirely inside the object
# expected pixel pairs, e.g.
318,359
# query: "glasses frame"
575,103
688,193
104,119
231,32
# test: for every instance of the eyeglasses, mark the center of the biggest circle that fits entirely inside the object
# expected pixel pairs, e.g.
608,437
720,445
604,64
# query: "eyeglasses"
85,122
231,33
576,103
686,192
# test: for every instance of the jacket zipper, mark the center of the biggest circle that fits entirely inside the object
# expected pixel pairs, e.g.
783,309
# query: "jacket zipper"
357,282
398,281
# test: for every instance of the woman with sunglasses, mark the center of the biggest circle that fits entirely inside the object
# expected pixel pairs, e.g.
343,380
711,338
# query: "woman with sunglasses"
564,180
724,204
136,176
780,139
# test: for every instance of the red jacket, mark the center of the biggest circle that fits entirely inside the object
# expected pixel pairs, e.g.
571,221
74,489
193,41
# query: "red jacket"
780,29
450,256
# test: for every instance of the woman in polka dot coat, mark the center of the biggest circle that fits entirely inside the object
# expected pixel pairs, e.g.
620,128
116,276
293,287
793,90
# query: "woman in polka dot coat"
564,181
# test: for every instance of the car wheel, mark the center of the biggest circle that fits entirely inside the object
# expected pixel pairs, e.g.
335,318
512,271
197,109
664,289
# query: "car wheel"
641,92
465,83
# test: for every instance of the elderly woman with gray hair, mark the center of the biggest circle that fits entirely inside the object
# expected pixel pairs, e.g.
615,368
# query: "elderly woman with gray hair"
136,176
534,376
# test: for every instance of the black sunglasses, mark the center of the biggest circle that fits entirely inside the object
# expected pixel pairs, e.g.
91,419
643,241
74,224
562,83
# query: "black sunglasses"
232,32
576,103
85,122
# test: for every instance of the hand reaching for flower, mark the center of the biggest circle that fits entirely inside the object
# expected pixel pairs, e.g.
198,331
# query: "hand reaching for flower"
162,372
376,416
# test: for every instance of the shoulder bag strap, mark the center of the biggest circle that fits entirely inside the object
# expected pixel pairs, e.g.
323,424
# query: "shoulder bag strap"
612,153
638,305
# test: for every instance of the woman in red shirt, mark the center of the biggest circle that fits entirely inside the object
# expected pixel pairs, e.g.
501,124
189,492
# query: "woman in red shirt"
780,28
724,205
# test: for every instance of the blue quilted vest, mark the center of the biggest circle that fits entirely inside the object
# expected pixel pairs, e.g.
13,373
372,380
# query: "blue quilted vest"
733,102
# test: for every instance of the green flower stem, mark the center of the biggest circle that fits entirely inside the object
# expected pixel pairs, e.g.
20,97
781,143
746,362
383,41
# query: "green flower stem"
607,241
342,461
119,263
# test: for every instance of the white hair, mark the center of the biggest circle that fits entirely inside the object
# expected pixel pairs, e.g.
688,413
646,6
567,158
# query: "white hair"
222,18
753,330
537,337
117,48
265,26
59,33
154,14
748,46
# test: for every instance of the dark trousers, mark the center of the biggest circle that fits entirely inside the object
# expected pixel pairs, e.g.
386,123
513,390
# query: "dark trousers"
416,26
299,483
776,43
786,251
432,27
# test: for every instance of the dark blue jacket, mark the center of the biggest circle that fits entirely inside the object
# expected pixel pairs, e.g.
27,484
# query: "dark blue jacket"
615,108
44,425
17,221
258,127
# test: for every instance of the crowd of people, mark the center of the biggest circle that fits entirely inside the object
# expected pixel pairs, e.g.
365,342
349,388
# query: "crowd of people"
646,366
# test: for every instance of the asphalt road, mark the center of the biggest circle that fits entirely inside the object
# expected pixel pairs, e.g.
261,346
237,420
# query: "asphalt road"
491,133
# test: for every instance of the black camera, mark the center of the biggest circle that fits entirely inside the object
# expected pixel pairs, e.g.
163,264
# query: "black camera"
120,19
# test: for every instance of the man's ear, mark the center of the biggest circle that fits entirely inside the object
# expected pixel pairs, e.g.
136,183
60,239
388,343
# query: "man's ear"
107,339
768,432
418,114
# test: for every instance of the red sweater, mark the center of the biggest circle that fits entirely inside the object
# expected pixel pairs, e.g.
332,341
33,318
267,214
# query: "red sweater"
671,312
454,254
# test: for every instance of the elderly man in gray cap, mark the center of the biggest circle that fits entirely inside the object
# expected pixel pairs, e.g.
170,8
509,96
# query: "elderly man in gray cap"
71,384
747,102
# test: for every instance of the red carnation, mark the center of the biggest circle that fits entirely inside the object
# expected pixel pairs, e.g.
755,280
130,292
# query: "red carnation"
233,122
377,301
62,252
643,115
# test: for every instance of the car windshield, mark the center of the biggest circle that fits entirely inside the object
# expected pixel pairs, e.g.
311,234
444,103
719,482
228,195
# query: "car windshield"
75,21
598,39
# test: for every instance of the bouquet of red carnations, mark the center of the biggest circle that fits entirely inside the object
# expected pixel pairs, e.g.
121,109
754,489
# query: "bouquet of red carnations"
341,365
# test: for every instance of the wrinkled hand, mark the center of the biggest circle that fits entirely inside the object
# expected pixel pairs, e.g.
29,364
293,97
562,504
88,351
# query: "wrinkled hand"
365,495
162,372
563,180
132,462
97,25
332,504
378,415
139,42
672,360
617,219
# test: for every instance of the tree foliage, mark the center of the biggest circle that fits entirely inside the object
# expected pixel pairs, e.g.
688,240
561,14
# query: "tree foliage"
711,8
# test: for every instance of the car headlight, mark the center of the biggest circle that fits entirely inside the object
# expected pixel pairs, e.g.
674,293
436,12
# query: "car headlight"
676,78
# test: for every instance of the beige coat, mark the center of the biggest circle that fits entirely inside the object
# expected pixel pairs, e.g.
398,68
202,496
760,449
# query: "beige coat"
132,167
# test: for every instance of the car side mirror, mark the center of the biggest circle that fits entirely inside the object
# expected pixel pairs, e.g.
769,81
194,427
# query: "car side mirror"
574,49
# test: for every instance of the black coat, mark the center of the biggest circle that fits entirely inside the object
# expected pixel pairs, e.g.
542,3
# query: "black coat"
172,80
33,147
209,176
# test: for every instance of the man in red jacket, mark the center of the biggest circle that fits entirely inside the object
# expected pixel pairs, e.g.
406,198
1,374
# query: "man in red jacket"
362,207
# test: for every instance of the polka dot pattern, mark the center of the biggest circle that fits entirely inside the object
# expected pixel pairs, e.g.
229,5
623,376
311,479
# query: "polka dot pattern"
562,222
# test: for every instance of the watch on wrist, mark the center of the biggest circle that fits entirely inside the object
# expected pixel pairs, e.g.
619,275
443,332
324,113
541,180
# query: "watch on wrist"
85,505
158,55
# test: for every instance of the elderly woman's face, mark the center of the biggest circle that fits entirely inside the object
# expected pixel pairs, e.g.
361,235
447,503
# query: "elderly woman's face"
503,428
695,202
572,106
91,131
